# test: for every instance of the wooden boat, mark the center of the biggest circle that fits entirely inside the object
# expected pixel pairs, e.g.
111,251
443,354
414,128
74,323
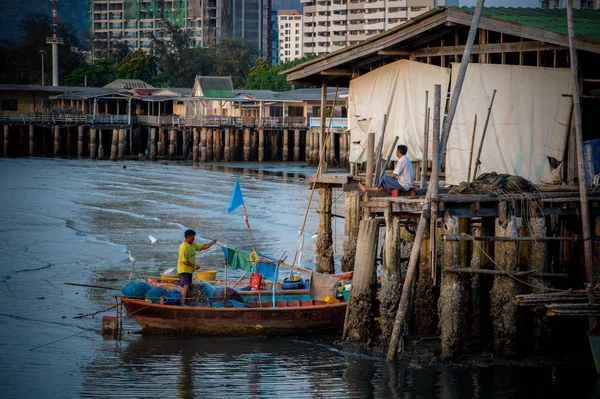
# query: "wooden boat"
288,317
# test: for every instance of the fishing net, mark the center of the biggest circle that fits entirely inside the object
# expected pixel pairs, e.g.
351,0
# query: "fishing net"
494,183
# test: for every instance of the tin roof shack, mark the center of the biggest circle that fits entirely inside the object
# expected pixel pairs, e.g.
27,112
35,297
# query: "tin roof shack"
490,238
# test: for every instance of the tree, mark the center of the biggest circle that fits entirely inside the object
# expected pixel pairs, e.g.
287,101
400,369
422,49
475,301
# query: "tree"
21,58
265,77
232,57
98,74
137,65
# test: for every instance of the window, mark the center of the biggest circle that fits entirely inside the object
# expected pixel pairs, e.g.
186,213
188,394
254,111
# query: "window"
9,105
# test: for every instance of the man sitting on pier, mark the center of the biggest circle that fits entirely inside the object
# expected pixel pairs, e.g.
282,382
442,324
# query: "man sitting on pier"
400,179
186,264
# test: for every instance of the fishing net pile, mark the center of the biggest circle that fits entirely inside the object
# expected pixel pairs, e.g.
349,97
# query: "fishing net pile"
496,184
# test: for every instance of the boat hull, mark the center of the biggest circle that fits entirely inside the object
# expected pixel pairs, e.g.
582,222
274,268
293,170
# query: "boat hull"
236,322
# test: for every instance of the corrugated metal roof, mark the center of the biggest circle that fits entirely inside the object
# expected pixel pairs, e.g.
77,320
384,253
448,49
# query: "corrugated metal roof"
586,22
128,84
216,86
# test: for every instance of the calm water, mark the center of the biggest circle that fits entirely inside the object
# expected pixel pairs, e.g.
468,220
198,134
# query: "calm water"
73,221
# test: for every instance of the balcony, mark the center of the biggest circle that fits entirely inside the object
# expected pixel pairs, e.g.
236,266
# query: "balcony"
335,123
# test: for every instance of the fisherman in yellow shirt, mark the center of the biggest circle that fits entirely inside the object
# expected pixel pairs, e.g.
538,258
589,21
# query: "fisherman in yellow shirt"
186,264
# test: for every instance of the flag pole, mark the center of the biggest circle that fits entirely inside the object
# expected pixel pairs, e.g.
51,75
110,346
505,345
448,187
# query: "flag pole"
248,225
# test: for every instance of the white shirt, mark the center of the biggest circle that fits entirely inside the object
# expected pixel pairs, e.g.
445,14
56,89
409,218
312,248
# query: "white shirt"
404,172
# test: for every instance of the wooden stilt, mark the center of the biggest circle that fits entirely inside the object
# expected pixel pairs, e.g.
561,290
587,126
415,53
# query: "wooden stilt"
218,145
391,277
31,140
425,311
227,152
203,145
504,306
538,251
351,224
152,151
161,142
210,148
479,260
185,143
247,148
296,145
6,140
261,145
324,239
274,149
172,143
80,131
56,141
114,145
195,145
93,145
285,152
308,147
360,316
121,144
100,145
69,141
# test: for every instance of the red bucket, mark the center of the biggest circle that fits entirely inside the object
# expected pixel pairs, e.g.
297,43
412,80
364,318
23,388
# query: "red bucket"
255,280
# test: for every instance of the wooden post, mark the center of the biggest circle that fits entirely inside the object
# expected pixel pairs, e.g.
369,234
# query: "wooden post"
261,145
407,288
31,140
450,293
172,143
360,316
152,151
538,251
479,260
285,152
93,143
308,148
585,216
331,149
161,141
69,141
239,144
6,140
323,166
247,148
254,145
370,160
80,131
56,140
344,151
203,145
100,145
113,146
195,145
391,277
217,144
227,154
185,144
296,145
210,153
425,312
121,144
324,239
425,142
351,224
234,142
274,148
504,307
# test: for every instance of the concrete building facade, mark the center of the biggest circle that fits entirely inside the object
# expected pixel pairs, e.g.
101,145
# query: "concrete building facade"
289,27
115,23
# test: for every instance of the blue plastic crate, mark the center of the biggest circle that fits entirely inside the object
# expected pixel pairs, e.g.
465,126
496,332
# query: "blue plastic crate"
591,159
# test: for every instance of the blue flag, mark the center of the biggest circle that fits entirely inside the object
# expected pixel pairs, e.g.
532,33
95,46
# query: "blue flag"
236,197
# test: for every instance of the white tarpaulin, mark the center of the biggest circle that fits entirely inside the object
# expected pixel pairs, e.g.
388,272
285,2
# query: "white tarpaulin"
398,91
529,121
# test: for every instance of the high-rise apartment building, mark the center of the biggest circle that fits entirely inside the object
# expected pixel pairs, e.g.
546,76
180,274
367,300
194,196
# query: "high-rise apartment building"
330,25
289,27
135,22
581,4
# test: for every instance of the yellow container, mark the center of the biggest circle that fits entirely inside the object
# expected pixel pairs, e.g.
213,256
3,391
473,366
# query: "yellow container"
169,279
205,275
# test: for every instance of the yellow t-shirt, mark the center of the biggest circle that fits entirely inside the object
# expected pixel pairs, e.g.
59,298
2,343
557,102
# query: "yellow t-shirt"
187,252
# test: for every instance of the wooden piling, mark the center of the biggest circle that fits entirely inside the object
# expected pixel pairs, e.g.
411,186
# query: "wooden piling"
351,225
538,252
285,151
121,144
324,239
218,145
254,145
185,143
296,145
391,276
56,141
80,131
331,149
239,144
234,144
152,151
274,148
31,140
360,315
261,145
344,150
450,293
503,304
6,140
203,145
162,142
210,149
479,260
100,145
172,143
247,148
93,145
113,145
425,310
227,151
69,141
308,146
195,145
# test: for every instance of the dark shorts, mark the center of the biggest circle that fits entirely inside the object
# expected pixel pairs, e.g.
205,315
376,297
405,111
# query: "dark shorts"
185,278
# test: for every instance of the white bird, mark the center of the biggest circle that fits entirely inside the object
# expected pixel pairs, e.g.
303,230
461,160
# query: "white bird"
152,239
315,237
131,258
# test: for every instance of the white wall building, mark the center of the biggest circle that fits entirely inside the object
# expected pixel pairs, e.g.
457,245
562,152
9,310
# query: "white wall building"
289,27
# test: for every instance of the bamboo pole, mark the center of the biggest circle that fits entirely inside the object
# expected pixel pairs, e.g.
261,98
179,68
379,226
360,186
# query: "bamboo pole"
389,156
471,152
585,218
410,275
370,159
485,125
